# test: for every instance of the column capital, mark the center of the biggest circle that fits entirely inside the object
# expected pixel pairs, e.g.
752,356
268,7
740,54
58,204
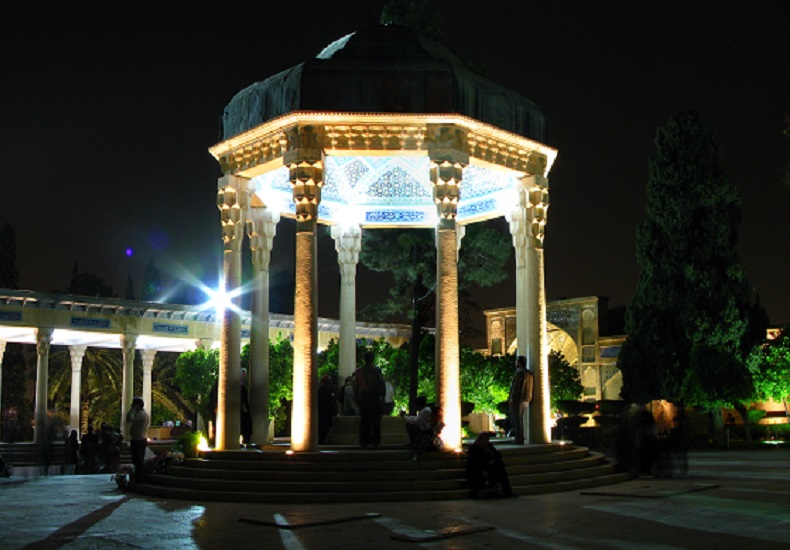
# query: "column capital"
235,182
306,174
232,203
77,353
129,341
348,243
261,230
43,340
447,173
528,217
148,355
204,343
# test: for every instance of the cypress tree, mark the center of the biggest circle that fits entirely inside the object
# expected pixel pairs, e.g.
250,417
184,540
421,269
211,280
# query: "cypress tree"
690,324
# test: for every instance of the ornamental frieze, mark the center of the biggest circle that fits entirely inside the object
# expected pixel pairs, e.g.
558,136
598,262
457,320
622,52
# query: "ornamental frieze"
361,133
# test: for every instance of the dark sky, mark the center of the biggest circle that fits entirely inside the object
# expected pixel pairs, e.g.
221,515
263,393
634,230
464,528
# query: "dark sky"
107,113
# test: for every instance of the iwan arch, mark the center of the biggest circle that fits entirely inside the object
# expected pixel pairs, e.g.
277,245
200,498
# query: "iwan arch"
383,128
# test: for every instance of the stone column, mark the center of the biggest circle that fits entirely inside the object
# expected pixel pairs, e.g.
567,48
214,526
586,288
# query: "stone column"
232,203
43,341
2,424
147,355
519,231
348,243
261,229
446,176
76,353
128,348
306,168
527,226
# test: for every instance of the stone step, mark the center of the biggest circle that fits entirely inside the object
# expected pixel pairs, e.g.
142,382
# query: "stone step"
369,475
412,495
345,431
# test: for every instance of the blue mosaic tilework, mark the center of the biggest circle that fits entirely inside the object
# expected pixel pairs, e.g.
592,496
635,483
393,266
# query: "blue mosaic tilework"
469,210
479,181
396,216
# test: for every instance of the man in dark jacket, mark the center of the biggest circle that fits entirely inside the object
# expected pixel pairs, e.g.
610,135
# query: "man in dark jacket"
369,395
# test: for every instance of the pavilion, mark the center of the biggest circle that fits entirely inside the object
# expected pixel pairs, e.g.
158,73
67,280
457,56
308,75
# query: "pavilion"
382,129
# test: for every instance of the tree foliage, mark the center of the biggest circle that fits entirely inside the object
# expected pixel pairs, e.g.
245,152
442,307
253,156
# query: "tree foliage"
409,256
195,375
772,380
152,283
88,284
281,361
14,390
102,382
564,379
692,323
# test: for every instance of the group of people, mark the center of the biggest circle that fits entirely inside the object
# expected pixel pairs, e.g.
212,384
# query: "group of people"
366,394
100,452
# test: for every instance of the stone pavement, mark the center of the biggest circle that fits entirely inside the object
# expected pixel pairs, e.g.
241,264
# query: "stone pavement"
730,499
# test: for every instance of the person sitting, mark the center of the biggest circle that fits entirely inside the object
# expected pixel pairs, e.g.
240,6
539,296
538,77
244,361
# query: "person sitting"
485,468
419,422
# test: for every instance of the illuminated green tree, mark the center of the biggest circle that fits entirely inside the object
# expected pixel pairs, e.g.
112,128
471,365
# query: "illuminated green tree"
195,376
409,257
772,380
564,380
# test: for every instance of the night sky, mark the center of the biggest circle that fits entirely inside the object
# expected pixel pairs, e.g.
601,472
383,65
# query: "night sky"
107,113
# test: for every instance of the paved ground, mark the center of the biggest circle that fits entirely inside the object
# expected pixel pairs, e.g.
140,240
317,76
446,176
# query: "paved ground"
728,500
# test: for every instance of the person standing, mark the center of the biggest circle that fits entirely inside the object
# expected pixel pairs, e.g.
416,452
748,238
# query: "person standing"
326,407
369,395
516,400
138,421
89,446
71,455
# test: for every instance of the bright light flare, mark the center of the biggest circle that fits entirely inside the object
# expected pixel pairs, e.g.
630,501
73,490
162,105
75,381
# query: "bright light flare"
203,444
220,300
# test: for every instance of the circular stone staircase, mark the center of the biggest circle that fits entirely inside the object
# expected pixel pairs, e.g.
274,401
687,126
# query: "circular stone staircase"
388,473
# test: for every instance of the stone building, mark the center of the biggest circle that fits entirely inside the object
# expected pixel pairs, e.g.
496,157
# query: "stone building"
582,329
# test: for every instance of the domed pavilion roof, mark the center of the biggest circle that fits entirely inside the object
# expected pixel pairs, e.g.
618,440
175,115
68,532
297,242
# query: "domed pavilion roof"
384,69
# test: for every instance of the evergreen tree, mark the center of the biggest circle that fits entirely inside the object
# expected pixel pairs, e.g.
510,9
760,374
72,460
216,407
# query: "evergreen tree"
129,294
88,284
692,323
9,275
152,283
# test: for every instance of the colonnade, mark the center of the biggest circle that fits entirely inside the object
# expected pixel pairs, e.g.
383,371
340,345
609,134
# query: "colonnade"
76,355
